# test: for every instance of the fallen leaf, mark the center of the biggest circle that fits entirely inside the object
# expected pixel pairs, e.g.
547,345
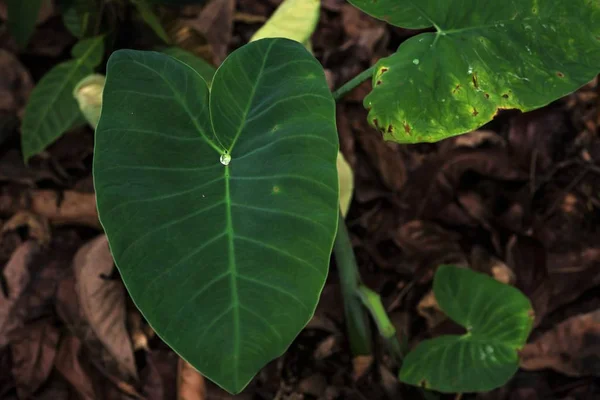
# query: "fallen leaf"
385,156
15,83
527,258
190,383
37,226
360,366
33,349
571,348
216,23
429,309
103,301
68,365
17,278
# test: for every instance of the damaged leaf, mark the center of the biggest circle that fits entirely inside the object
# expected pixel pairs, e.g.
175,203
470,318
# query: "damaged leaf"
483,56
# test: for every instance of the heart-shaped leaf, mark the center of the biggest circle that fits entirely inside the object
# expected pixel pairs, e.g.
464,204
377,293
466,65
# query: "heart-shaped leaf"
220,206
498,319
203,67
484,56
52,109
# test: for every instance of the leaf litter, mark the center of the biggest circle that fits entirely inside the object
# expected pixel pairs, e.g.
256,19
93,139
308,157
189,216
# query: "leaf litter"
518,199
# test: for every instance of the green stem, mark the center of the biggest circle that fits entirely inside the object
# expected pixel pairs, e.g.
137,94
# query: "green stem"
359,330
387,330
354,82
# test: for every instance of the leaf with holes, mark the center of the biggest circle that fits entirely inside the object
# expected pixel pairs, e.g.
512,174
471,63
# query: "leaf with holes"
498,319
484,56
52,109
220,205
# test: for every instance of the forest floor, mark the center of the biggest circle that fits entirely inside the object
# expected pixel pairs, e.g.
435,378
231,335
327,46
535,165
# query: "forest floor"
518,199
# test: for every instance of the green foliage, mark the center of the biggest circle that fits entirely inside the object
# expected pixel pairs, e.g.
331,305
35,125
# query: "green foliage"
498,319
221,219
22,16
484,56
293,19
202,67
51,109
148,15
79,16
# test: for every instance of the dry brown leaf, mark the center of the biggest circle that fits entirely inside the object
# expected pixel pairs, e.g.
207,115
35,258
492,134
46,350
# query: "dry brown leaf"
15,83
190,383
571,348
33,349
103,301
360,366
429,309
68,365
216,23
16,276
37,226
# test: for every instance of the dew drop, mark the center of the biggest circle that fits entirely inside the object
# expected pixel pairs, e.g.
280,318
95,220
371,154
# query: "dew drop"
470,71
225,159
416,61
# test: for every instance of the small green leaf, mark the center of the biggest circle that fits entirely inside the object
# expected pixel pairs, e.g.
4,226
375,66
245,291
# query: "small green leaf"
498,319
79,16
346,182
22,17
51,109
220,205
203,67
293,19
484,56
148,15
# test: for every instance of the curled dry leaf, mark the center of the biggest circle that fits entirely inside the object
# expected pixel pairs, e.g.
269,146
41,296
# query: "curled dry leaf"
103,301
16,278
33,349
190,383
385,157
571,348
37,226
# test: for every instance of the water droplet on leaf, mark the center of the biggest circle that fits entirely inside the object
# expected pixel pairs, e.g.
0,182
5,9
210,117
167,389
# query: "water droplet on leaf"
225,159
416,61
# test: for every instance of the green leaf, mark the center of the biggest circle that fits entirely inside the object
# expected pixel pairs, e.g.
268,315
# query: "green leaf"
346,183
484,56
22,17
51,109
293,19
226,262
148,15
202,67
79,16
498,319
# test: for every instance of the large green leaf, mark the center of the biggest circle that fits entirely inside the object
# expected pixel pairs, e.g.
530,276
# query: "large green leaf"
293,19
220,205
203,67
484,55
498,319
52,109
22,16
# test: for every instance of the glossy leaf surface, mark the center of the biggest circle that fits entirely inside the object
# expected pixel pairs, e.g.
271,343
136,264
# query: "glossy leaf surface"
52,109
484,56
498,319
202,67
226,262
